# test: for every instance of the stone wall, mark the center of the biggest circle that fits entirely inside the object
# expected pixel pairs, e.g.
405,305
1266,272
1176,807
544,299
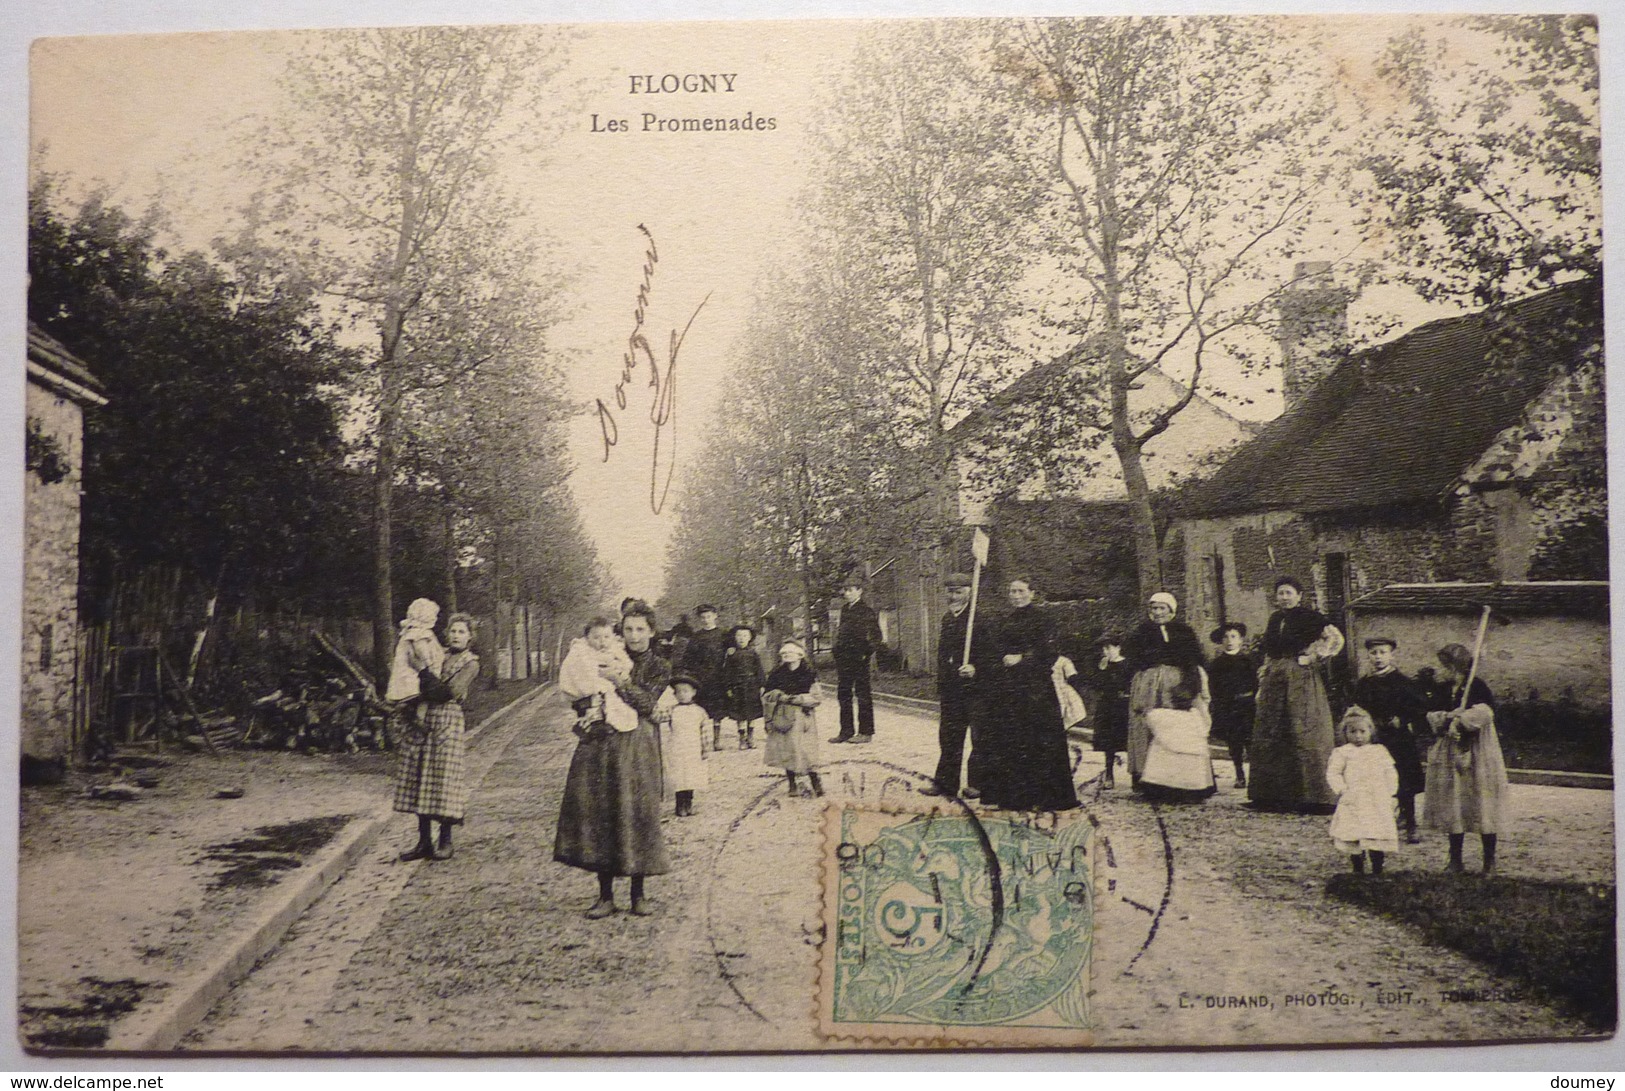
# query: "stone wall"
1549,658
50,585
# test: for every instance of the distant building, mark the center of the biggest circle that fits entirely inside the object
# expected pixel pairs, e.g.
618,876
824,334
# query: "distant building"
60,388
1468,451
1044,486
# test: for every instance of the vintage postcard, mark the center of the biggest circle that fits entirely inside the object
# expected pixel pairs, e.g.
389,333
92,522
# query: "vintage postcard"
811,535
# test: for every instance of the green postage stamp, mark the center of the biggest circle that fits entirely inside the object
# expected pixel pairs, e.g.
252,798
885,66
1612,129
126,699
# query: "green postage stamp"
956,929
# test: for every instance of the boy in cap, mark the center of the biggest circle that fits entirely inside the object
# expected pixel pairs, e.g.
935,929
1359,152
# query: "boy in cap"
702,659
1397,708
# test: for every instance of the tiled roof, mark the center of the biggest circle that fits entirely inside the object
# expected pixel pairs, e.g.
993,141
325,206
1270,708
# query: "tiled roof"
1569,598
1400,422
49,353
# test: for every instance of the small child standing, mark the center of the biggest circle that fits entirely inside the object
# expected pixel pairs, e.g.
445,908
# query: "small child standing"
790,702
684,744
596,661
416,650
1364,779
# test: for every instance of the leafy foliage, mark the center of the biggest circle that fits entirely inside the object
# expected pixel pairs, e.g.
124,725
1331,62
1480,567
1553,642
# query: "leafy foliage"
216,452
1491,172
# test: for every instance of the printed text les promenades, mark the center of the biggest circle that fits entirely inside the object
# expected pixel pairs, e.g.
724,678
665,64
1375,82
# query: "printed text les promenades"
662,380
683,83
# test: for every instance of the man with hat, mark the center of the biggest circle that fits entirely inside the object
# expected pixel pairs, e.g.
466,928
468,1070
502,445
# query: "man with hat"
956,677
702,659
855,642
1397,708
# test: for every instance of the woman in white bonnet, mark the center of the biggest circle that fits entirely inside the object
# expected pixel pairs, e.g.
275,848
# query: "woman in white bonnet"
1161,651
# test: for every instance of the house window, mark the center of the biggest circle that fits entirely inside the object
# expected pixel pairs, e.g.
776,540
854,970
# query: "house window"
1215,587
46,638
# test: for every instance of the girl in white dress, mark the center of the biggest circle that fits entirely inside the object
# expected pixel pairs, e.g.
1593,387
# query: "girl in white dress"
1363,777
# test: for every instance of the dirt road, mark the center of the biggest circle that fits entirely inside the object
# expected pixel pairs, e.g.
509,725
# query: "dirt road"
1212,927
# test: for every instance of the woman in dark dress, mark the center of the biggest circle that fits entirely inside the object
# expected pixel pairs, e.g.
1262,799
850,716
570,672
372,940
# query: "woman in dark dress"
1030,766
741,680
1292,736
1233,678
609,820
1162,651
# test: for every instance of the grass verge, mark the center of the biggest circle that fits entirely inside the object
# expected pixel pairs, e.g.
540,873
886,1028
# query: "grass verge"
1556,938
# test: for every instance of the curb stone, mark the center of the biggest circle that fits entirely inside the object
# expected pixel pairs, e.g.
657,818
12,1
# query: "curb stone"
162,1027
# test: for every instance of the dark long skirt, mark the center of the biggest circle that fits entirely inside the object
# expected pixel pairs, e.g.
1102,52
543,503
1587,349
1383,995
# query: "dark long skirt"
610,818
1110,721
1028,764
1292,740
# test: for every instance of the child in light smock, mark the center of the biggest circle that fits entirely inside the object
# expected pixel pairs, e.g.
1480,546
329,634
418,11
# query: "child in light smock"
684,743
596,661
1365,781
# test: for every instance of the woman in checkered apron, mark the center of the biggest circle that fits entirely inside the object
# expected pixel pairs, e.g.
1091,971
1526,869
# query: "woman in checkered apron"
429,780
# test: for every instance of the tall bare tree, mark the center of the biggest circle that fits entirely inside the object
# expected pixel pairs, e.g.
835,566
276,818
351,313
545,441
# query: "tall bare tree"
1188,154
923,207
385,181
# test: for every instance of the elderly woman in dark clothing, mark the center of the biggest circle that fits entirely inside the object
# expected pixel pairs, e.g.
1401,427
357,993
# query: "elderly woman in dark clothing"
1233,678
1030,765
1292,736
609,821
1161,651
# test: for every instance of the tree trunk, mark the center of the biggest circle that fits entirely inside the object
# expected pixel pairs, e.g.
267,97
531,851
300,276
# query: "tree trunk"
451,562
1147,557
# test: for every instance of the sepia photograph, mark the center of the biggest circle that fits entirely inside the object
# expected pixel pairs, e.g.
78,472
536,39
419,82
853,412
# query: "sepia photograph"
1067,532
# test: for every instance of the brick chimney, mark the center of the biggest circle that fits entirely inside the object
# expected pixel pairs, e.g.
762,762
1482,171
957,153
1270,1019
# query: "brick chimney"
1314,328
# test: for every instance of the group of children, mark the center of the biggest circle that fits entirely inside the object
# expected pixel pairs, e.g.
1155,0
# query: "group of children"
782,701
1375,772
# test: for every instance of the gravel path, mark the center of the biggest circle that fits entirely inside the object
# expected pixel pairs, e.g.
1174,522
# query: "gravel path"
1212,925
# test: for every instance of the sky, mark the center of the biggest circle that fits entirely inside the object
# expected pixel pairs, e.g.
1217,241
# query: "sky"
164,118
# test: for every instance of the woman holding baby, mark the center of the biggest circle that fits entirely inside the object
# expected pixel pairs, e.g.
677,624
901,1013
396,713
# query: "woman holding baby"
430,684
609,820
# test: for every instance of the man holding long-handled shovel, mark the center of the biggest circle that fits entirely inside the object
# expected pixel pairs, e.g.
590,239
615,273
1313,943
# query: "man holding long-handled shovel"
956,682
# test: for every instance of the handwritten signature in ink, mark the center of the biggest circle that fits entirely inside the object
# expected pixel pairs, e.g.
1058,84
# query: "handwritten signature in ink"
663,380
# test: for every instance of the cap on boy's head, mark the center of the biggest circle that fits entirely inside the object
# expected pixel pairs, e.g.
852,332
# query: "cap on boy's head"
681,679
742,627
705,608
1217,635
1390,642
1112,639
956,579
855,579
792,642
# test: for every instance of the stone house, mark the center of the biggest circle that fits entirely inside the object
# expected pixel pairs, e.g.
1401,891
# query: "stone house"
60,389
1469,450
